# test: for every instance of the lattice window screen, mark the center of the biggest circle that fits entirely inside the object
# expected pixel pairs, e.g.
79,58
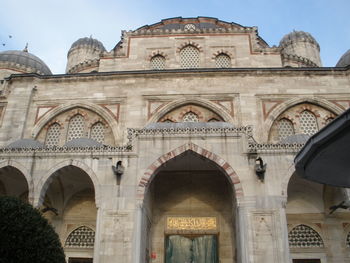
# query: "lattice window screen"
308,123
223,61
285,128
189,57
82,237
158,62
190,117
303,236
98,132
76,127
53,135
348,240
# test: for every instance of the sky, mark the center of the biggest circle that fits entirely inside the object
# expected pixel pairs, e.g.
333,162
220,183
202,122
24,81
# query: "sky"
51,26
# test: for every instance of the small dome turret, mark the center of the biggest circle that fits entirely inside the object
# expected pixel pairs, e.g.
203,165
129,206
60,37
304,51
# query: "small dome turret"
22,62
300,49
344,61
84,55
87,42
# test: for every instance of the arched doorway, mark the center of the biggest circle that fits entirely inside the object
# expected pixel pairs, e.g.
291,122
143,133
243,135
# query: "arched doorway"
188,212
315,231
69,204
13,183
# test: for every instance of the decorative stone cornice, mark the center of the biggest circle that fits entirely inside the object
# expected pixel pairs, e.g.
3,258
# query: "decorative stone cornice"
48,150
298,59
84,65
269,148
133,133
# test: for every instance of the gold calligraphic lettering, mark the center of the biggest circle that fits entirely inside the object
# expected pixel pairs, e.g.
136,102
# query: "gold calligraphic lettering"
191,223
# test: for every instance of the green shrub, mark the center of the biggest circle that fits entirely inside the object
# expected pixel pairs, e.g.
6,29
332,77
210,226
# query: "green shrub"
25,236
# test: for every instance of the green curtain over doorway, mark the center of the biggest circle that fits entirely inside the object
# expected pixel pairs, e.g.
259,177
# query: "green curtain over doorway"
202,249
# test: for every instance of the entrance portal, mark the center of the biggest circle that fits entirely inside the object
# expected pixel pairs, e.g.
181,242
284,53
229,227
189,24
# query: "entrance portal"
191,249
188,213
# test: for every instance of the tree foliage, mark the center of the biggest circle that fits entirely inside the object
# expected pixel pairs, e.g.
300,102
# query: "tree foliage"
25,236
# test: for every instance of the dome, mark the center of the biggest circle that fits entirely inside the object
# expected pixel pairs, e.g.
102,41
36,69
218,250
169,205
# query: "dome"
25,143
83,142
88,42
344,60
298,36
296,138
23,61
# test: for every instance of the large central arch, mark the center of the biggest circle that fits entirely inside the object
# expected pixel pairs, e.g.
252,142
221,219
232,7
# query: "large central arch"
222,164
192,184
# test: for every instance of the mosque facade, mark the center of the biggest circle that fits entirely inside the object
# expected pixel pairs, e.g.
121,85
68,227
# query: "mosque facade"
177,145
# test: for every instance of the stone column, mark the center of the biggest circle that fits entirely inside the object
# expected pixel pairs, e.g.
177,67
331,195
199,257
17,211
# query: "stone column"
138,255
97,236
261,228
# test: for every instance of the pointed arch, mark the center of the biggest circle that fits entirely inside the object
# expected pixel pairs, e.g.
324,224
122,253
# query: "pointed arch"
104,113
197,101
47,178
225,166
25,172
284,106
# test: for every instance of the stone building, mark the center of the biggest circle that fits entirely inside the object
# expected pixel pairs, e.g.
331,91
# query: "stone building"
177,145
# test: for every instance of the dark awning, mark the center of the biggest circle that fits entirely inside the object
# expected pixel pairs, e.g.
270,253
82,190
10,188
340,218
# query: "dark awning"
325,158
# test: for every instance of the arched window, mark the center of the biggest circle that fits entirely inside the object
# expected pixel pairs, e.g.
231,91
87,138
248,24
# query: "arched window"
285,128
189,57
53,135
98,132
158,62
76,127
81,237
303,236
308,123
223,61
190,117
348,240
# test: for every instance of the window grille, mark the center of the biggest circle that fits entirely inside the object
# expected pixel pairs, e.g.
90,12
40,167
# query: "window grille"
308,123
82,237
303,236
190,117
76,127
158,62
190,27
285,129
189,57
98,132
53,135
223,61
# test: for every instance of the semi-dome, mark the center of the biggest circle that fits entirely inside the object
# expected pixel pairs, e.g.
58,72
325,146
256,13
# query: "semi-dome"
344,61
23,61
298,36
88,42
